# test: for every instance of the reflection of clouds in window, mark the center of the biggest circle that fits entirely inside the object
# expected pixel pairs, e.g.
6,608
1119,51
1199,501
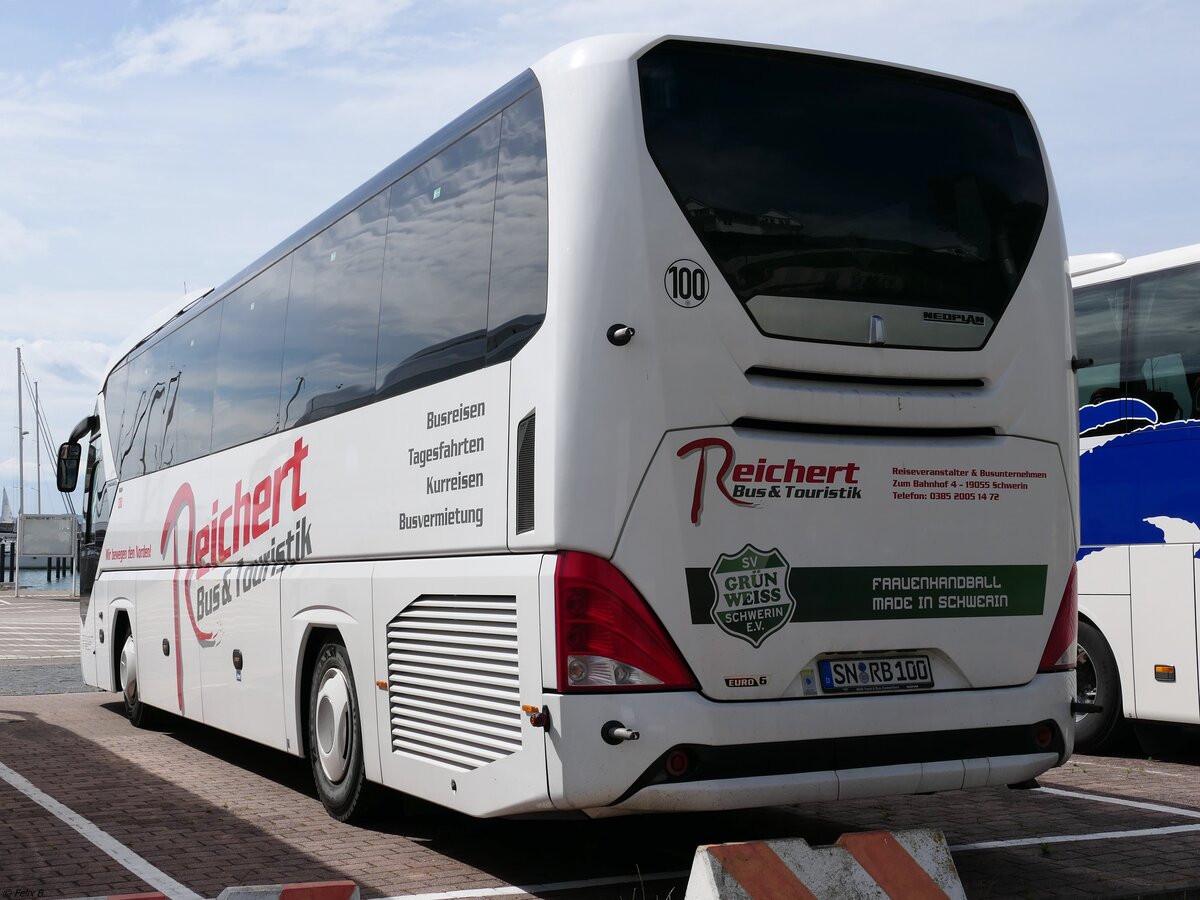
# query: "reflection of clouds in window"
517,294
435,289
246,402
193,368
145,395
114,407
1098,318
1166,340
333,316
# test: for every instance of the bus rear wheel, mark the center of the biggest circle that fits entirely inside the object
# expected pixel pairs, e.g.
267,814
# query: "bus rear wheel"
1097,682
335,736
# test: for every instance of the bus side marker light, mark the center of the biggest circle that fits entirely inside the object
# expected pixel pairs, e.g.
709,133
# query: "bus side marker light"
539,717
382,685
1164,673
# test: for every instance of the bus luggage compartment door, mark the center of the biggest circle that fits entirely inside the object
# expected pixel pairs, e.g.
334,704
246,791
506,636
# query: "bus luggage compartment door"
458,643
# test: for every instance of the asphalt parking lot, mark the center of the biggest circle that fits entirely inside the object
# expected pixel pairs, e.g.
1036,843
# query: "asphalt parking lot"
90,806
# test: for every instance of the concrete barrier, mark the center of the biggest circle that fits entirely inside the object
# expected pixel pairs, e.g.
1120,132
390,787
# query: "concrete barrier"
913,865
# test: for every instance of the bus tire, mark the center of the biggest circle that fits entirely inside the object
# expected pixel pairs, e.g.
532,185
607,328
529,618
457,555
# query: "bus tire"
1096,681
140,715
335,736
1160,740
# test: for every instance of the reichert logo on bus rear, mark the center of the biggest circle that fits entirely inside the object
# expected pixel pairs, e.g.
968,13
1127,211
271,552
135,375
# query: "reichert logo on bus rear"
752,600
755,483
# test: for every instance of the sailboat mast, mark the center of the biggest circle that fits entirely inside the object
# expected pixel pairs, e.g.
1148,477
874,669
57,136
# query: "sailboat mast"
20,439
37,442
21,467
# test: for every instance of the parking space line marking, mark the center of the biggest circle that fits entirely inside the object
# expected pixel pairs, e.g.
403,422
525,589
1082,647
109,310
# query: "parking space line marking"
515,891
1092,765
1097,836
1072,838
1120,801
140,867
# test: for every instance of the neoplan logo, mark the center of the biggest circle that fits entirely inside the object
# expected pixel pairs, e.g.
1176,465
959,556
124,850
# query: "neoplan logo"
953,318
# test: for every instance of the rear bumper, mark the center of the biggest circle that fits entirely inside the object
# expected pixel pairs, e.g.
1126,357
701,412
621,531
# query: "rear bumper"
745,755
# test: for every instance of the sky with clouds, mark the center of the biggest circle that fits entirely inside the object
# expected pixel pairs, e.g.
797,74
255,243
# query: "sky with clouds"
149,146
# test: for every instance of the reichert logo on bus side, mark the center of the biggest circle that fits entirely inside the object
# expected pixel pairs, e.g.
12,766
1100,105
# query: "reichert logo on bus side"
252,514
753,484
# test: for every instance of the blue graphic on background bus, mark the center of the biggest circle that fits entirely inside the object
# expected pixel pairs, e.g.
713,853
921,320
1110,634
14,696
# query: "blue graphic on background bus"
1120,440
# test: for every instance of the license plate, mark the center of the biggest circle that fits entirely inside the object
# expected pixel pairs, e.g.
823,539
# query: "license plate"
878,673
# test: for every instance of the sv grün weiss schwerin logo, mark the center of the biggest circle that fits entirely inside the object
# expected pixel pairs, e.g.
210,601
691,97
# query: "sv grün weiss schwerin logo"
752,598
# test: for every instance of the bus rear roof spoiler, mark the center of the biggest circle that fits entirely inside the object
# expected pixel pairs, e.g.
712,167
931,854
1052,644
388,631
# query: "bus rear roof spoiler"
1086,263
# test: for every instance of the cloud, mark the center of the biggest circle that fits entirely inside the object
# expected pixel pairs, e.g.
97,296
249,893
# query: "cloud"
18,242
37,116
232,33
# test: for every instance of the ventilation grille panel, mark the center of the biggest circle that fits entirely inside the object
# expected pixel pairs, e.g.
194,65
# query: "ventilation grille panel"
526,430
453,683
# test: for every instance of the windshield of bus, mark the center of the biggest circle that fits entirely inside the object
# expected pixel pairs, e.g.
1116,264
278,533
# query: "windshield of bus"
828,190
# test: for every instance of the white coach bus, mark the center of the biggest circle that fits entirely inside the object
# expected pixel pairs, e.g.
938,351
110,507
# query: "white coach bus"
1139,412
686,426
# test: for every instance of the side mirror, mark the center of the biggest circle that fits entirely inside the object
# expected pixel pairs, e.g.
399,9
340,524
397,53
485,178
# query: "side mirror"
68,466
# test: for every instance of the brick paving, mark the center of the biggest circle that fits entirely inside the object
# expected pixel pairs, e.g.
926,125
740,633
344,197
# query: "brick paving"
211,811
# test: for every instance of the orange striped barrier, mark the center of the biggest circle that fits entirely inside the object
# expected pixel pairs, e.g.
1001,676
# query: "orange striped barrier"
902,865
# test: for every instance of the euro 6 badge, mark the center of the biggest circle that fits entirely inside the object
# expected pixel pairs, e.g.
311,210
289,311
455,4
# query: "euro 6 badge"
752,597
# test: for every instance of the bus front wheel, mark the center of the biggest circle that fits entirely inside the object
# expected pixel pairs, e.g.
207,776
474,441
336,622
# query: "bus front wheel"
1097,682
139,713
335,736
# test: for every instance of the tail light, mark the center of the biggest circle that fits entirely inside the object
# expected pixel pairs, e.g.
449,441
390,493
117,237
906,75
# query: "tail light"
1059,655
608,637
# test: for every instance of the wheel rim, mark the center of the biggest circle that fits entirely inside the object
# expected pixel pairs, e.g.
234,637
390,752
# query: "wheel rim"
1086,687
128,670
333,725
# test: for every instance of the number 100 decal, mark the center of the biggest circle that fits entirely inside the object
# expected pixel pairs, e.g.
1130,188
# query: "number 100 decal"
686,283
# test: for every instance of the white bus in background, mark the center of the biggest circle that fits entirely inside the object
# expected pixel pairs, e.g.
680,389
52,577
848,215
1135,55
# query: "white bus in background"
686,426
1138,320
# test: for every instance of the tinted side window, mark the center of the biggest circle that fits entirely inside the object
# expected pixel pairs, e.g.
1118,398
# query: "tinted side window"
191,377
1099,321
145,402
333,313
246,402
435,287
1165,352
114,405
520,245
